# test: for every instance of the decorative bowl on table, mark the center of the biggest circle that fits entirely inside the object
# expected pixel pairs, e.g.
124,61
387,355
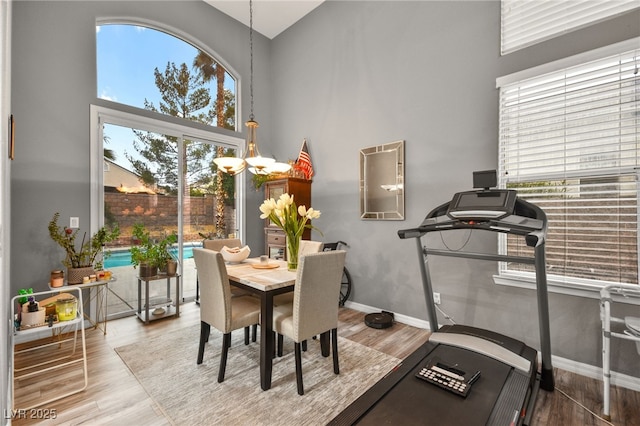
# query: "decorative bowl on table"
235,254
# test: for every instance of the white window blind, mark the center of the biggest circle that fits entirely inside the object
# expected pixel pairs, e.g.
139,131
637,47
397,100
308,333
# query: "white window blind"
526,22
570,143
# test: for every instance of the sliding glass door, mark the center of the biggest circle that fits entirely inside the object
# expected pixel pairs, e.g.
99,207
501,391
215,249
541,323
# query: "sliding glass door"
161,178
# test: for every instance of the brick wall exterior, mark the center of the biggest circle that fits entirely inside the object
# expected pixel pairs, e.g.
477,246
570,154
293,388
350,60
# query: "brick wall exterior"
160,212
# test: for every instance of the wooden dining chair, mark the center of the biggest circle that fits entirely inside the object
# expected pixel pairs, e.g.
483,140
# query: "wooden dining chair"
218,308
314,309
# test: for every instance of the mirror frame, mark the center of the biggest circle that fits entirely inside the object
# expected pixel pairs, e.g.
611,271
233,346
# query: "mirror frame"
388,160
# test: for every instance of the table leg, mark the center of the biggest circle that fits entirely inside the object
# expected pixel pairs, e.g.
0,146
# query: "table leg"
105,307
101,306
266,340
139,296
177,295
146,301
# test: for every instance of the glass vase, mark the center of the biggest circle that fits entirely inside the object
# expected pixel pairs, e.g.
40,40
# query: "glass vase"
293,244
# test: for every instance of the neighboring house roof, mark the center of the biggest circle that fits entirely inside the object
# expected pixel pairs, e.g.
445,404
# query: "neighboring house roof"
123,180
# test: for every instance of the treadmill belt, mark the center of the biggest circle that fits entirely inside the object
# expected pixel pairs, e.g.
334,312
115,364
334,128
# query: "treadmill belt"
414,401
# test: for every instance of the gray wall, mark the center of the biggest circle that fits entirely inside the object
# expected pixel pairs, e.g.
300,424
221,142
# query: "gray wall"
54,83
356,74
347,76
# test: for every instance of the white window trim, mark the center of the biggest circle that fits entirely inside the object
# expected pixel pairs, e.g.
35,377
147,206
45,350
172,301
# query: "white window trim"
162,124
570,61
524,24
557,286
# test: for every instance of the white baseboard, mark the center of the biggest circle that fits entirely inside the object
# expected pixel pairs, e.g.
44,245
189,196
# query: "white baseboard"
404,319
617,379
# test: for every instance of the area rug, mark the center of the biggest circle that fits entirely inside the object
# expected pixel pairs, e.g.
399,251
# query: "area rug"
190,394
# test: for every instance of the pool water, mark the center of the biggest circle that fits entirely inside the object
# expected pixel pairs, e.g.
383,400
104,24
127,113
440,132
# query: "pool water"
123,257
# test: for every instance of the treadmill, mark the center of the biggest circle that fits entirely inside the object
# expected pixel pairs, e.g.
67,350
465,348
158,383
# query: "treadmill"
467,375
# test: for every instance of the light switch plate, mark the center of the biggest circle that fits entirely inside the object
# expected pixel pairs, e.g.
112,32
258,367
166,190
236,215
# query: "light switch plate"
74,222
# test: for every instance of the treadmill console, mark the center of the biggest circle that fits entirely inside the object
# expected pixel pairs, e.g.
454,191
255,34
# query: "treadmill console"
482,205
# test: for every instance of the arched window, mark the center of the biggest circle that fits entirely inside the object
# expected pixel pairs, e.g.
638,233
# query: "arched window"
151,170
150,69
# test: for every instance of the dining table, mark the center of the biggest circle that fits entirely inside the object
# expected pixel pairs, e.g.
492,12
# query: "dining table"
264,280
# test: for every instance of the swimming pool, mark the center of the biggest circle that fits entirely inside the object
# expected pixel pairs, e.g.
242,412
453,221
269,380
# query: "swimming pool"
123,257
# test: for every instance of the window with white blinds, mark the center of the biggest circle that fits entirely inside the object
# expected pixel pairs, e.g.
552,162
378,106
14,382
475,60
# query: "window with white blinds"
526,22
570,143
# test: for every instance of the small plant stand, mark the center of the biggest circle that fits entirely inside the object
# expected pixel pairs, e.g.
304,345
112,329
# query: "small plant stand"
170,307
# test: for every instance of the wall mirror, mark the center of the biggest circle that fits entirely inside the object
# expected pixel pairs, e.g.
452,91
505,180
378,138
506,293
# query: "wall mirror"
382,182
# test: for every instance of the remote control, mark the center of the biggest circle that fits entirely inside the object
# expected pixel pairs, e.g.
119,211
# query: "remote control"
447,380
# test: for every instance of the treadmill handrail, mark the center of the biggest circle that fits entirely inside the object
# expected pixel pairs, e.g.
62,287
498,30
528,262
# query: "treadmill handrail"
527,219
484,347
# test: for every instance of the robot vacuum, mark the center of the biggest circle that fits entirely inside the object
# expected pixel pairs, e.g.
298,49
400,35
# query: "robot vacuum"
379,320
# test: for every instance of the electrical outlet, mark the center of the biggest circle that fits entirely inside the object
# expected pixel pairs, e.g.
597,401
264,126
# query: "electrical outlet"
74,222
436,298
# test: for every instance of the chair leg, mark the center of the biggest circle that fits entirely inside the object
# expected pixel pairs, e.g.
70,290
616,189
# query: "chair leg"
246,335
274,344
324,343
334,344
226,342
280,344
255,333
205,330
304,345
298,356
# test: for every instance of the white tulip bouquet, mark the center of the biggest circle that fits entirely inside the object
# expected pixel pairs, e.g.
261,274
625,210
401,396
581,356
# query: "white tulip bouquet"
292,220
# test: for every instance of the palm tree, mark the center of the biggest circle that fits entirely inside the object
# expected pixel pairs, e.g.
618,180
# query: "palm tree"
109,154
210,69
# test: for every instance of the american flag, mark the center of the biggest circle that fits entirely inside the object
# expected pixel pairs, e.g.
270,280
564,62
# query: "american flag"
304,161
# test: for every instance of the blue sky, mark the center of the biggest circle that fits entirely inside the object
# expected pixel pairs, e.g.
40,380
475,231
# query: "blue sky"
126,58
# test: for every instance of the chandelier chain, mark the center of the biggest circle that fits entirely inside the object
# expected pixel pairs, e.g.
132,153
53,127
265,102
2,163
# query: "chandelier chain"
251,56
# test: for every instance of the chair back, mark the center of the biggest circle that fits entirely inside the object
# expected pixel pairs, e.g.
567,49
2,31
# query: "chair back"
217,244
317,289
307,247
215,291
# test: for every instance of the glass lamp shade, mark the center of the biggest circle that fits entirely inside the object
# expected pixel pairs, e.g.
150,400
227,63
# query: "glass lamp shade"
274,168
278,168
260,164
231,165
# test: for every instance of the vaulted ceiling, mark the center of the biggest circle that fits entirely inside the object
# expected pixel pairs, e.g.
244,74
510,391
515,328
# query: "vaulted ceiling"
270,17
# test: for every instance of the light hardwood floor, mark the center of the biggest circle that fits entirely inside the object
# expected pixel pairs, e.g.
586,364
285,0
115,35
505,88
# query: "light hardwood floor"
115,397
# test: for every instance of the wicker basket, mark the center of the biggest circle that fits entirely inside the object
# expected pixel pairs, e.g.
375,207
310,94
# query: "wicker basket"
75,275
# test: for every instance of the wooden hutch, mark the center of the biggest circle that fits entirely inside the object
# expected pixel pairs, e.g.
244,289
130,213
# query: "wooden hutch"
275,240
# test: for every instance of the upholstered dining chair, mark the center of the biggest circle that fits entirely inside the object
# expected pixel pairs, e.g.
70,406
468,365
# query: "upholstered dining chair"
306,247
218,308
314,309
216,245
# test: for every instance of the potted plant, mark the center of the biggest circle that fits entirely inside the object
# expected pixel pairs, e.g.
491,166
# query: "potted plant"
80,261
148,253
168,261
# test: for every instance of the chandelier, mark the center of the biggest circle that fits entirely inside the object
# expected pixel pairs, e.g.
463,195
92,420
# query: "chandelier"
251,157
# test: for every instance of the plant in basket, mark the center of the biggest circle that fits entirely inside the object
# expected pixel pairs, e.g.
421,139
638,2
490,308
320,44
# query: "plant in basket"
82,256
